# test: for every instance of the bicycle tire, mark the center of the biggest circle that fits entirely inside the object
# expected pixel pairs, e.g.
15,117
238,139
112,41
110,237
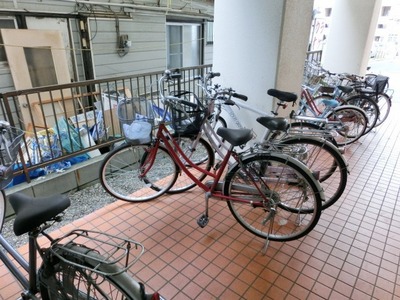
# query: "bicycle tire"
62,280
369,106
120,173
325,162
201,154
285,181
385,103
354,121
2,209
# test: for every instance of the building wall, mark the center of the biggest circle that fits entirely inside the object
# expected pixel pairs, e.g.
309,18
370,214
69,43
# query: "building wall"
146,54
144,24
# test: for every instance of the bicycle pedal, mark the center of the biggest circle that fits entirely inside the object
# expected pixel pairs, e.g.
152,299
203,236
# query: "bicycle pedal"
203,221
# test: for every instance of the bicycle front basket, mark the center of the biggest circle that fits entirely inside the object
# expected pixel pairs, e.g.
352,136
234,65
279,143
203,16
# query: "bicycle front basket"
137,120
378,83
188,119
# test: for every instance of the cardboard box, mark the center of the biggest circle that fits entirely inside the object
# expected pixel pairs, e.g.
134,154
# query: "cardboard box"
111,122
87,118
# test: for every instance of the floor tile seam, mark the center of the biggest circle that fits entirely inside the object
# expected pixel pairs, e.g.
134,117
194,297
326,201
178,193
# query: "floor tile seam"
212,261
355,181
344,260
377,144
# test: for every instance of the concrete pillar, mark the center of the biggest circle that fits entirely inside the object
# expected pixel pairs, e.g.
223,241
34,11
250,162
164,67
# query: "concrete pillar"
351,35
260,44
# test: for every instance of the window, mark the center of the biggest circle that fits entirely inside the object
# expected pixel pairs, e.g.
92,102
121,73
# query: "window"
209,32
385,11
183,45
40,66
5,23
174,40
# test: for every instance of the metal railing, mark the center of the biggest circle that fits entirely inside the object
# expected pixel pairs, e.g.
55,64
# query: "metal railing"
68,123
314,56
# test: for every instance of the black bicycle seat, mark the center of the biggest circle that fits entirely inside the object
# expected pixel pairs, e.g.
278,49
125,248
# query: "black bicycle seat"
273,123
235,137
31,212
283,96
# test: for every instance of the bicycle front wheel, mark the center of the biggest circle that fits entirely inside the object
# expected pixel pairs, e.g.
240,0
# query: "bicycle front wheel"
138,172
274,196
2,208
76,280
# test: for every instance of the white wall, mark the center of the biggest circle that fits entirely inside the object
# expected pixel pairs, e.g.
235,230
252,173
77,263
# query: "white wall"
246,48
351,34
258,45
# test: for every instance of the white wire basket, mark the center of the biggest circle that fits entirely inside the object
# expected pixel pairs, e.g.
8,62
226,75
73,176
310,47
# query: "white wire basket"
137,119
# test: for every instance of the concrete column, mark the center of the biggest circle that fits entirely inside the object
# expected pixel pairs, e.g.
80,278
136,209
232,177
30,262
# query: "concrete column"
351,35
260,44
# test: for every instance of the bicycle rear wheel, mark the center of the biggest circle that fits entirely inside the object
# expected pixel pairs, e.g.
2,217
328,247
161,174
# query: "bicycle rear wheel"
369,106
122,172
325,162
201,154
283,200
385,103
2,208
354,123
76,280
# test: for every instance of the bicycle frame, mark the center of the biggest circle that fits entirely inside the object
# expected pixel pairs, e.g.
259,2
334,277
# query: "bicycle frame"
178,155
30,267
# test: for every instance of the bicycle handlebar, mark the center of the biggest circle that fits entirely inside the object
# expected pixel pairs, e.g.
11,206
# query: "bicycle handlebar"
240,96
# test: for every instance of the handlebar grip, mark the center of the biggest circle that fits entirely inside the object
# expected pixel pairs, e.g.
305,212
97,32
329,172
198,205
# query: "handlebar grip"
211,75
240,96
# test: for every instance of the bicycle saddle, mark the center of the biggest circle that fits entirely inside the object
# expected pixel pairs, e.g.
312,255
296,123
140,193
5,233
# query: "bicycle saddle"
31,212
273,123
345,89
235,137
283,96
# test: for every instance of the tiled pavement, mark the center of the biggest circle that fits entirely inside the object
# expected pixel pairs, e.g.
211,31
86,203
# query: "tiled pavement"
353,253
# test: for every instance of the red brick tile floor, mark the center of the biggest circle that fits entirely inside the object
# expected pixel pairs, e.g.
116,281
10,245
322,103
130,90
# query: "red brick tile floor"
353,253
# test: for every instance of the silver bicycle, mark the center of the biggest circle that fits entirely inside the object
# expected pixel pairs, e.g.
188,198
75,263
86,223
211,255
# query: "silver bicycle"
82,264
318,154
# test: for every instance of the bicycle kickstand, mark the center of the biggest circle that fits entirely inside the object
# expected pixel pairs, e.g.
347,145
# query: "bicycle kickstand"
270,218
203,220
